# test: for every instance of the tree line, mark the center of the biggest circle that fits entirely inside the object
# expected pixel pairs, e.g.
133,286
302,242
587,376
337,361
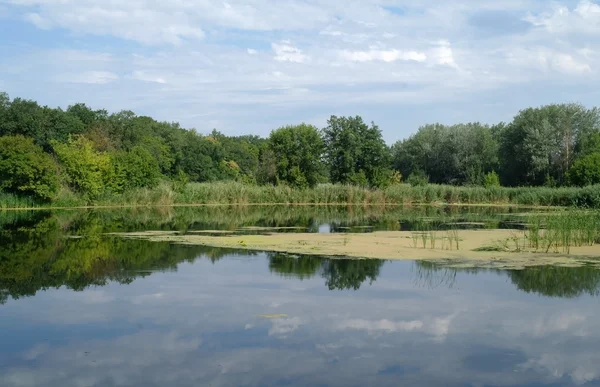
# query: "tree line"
44,151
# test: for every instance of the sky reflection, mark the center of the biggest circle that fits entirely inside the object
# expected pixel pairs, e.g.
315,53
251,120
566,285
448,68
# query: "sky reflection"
202,325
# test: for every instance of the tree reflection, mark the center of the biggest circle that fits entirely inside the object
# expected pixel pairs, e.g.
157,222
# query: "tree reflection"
550,281
294,267
350,273
340,274
41,250
39,256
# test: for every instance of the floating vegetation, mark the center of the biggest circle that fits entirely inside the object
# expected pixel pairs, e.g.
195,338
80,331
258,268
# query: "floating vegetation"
479,246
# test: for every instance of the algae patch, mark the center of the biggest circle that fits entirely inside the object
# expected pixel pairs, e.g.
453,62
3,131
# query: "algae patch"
459,246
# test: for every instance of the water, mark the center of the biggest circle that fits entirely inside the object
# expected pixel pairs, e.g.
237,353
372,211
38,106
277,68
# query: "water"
99,311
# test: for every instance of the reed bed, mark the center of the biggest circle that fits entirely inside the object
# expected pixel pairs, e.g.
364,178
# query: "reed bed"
324,194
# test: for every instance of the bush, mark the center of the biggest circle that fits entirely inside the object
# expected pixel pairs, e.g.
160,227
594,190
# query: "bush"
383,178
418,178
359,179
85,169
134,169
180,182
26,169
491,179
585,171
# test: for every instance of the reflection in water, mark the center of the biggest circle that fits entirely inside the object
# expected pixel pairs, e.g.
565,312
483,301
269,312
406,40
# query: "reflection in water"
558,281
550,281
37,254
341,274
41,250
82,308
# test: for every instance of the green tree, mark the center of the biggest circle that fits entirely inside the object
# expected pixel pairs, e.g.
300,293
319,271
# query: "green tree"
352,147
543,142
85,169
43,124
89,117
266,171
243,150
458,154
137,168
160,151
201,157
586,170
26,169
298,150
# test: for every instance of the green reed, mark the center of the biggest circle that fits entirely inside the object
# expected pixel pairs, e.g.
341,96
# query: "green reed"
230,192
563,230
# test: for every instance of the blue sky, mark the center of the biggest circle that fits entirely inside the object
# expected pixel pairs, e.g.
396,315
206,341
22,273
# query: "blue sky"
251,66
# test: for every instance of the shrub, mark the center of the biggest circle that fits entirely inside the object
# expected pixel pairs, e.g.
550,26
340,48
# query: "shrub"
359,179
26,169
418,178
491,179
383,178
180,182
85,168
134,169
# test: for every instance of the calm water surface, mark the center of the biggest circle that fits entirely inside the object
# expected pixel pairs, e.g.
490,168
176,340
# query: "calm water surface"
81,308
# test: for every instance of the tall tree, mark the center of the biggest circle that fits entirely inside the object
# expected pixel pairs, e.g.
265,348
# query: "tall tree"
354,148
298,150
457,154
541,144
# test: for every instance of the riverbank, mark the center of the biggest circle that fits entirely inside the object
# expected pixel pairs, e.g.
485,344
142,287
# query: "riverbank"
233,193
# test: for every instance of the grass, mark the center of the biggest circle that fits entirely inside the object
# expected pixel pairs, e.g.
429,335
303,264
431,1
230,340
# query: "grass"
324,194
571,228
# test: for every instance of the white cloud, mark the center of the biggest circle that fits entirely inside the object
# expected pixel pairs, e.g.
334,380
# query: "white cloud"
145,77
331,33
136,21
286,52
382,55
208,58
567,64
38,21
541,58
88,77
443,55
584,18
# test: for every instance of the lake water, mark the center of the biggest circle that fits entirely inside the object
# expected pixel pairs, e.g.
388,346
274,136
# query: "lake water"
81,308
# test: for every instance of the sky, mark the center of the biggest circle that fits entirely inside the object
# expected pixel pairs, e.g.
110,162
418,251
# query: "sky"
250,66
